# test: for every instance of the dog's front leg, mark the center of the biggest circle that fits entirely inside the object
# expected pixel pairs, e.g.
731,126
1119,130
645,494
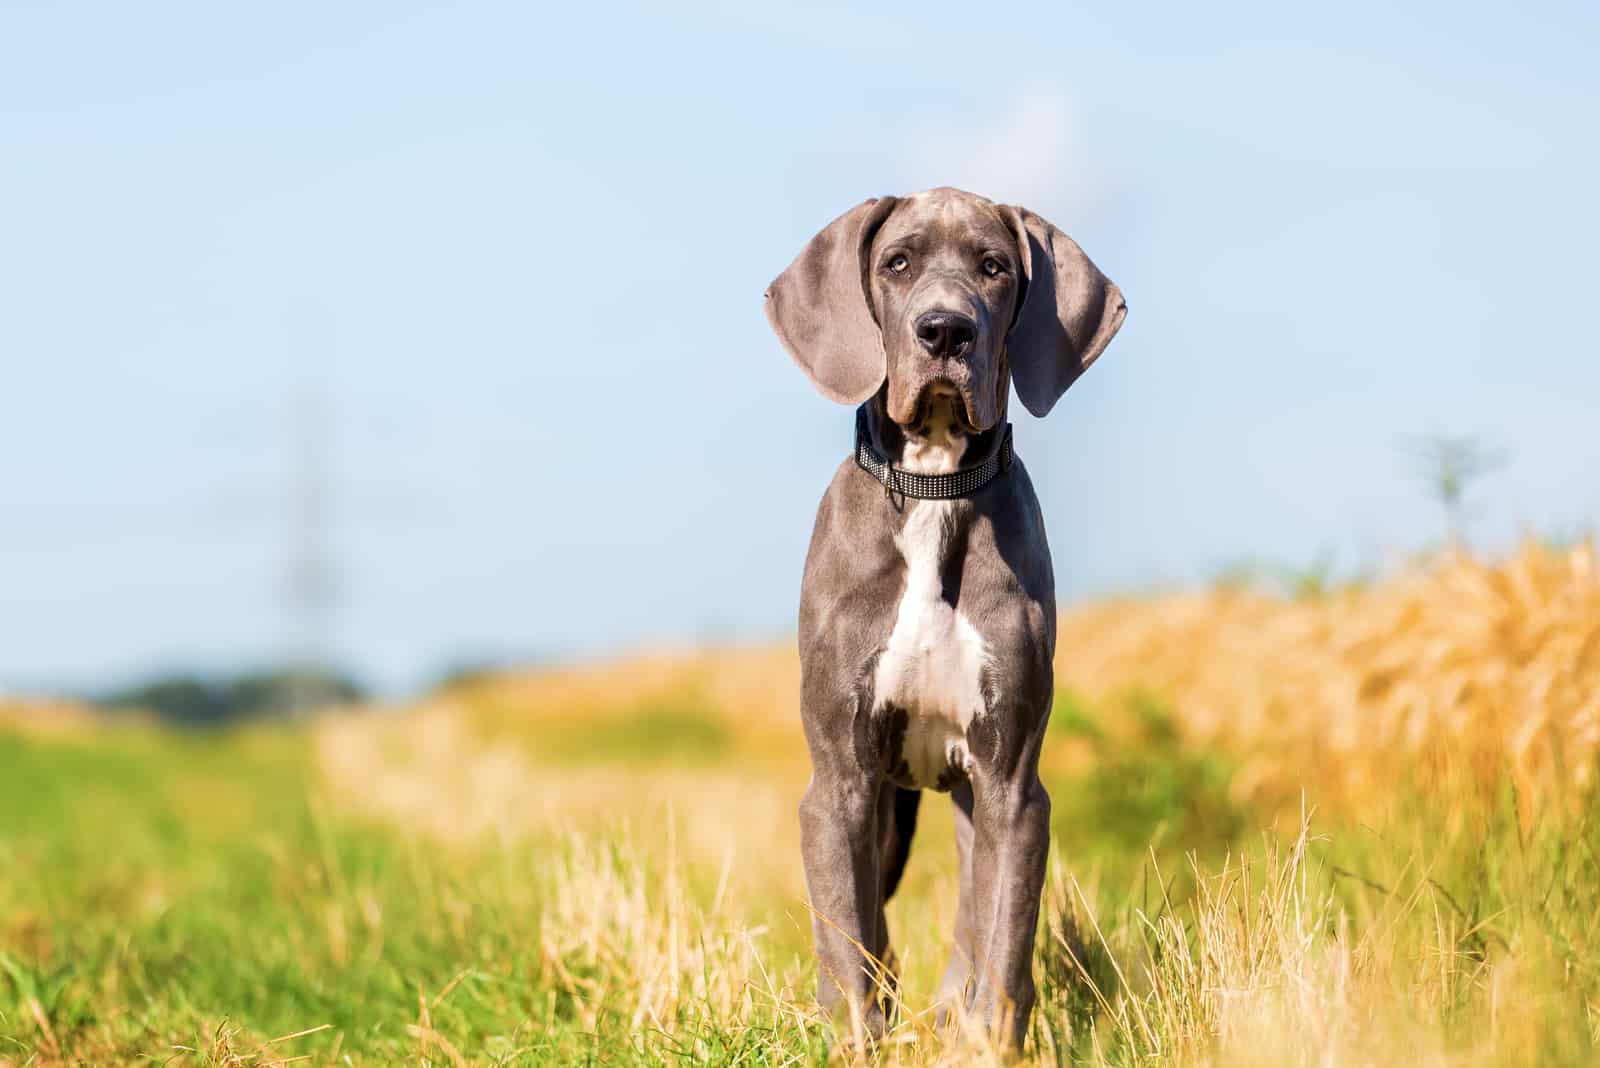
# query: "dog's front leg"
839,841
1012,844
956,984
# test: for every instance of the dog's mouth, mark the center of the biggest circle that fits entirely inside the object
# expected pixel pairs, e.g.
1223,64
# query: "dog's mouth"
948,399
942,406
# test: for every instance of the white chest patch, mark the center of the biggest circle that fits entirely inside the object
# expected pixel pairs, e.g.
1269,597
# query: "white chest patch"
932,667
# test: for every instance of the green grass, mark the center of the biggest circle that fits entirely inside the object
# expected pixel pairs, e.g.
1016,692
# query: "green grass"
677,732
159,887
1143,786
186,899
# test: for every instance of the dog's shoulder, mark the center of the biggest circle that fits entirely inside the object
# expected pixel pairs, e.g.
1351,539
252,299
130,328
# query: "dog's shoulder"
1006,544
853,572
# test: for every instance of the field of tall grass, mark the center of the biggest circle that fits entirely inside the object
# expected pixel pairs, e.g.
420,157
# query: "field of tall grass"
1354,828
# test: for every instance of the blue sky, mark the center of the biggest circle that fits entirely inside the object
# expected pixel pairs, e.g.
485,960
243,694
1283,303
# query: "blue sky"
521,255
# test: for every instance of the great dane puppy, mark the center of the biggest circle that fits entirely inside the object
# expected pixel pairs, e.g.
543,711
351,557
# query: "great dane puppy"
927,610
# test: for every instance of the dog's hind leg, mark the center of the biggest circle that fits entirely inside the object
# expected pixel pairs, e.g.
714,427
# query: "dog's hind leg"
897,822
955,987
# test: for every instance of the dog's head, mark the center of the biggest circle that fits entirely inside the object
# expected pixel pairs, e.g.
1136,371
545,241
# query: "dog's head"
943,291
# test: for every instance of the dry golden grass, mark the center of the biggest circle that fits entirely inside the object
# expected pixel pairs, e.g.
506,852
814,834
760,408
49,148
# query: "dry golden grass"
432,772
47,717
1459,668
1456,669
600,864
674,901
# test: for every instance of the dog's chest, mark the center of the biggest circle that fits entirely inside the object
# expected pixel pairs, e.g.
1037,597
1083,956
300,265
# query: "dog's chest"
929,676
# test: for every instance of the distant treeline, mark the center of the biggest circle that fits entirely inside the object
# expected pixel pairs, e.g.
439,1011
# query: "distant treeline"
193,701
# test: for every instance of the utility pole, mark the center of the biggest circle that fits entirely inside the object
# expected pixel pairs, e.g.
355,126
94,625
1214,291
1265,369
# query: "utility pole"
311,584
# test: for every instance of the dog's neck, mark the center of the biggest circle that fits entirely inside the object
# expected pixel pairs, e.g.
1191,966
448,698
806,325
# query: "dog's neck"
938,444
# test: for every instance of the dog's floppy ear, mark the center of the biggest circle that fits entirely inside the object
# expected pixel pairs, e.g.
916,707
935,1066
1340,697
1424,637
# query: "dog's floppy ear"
820,310
1069,314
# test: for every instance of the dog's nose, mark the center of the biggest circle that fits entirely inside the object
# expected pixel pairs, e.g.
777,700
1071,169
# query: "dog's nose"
946,333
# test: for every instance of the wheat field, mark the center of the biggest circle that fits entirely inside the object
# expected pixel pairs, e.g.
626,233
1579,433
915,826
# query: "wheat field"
1356,828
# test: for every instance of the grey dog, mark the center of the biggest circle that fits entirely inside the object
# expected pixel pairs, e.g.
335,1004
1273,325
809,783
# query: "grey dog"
927,610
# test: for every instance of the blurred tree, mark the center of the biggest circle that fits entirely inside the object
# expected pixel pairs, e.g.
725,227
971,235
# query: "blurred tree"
190,701
1448,465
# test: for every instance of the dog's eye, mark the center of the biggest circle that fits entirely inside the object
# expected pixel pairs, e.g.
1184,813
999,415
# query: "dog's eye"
898,263
993,267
